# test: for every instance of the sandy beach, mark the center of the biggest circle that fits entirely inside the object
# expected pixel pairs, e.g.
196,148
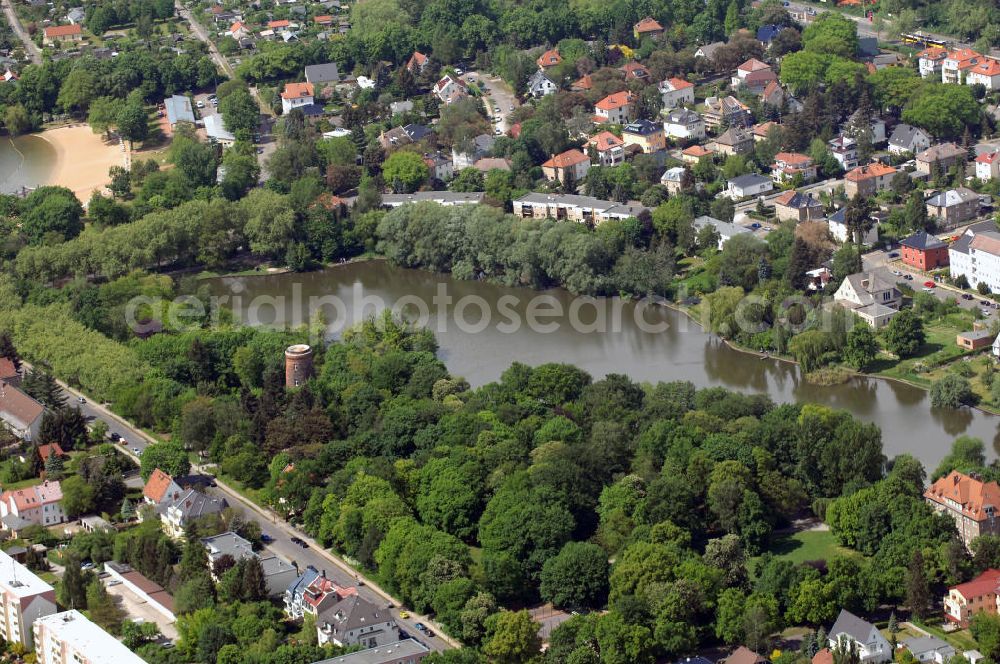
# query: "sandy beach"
82,159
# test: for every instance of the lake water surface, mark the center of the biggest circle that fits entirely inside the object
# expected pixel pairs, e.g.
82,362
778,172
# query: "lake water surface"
681,351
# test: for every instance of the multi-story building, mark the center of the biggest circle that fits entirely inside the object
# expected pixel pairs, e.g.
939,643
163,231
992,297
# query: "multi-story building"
407,651
25,598
729,110
676,91
278,572
191,505
356,621
69,638
929,61
571,207
943,156
970,502
924,251
647,136
568,167
953,207
981,595
868,180
683,123
609,148
797,206
788,165
870,297
957,63
985,72
988,166
735,140
297,95
845,150
852,632
837,225
615,108
960,253
39,505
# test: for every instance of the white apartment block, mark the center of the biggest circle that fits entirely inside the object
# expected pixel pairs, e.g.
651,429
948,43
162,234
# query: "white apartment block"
69,638
25,597
977,256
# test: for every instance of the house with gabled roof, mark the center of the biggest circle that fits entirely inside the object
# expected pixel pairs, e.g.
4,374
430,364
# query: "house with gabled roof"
788,165
549,58
850,631
929,61
744,655
870,297
683,123
980,595
868,180
609,148
957,63
745,69
39,505
693,154
707,51
924,251
567,167
634,71
450,89
62,33
616,108
676,91
907,138
356,621
973,504
19,413
647,27
929,649
540,85
985,72
988,165
417,63
297,95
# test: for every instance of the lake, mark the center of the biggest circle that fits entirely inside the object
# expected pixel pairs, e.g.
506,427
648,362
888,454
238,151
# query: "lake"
651,343
26,161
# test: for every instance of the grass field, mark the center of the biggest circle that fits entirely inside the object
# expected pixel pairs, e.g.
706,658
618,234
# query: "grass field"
809,545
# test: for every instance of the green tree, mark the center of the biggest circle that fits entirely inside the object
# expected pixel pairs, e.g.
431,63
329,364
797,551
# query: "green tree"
918,589
102,607
51,212
952,391
862,346
77,90
132,121
240,113
577,577
170,457
831,33
78,496
904,335
407,169
943,110
511,637
73,589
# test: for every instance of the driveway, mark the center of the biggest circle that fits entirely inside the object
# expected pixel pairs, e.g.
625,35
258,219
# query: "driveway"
499,98
139,610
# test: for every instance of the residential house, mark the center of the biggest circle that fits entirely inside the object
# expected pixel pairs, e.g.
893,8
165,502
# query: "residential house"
985,72
540,85
868,180
796,206
324,20
988,166
450,89
647,27
974,340
609,148
322,593
573,207
322,74
39,505
615,108
734,140
673,179
955,65
8,372
775,95
226,545
908,139
728,110
981,595
568,168
49,450
873,299
178,109
549,59
440,167
972,503
19,413
70,638
929,649
845,150
818,278
215,129
404,135
851,631
943,156
757,82
767,33
747,68
24,598
443,198
837,226
417,63
707,51
748,185
239,31
976,255
297,95
467,153
582,84
635,71
676,91
683,123
929,61
295,592
161,489
761,130
744,655
487,164
645,135
190,506
954,206
695,153
282,24
62,33
407,651
356,621
791,165
76,16
924,251
723,229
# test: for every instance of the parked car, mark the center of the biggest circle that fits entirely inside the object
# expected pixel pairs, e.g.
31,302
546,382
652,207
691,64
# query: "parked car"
908,277
81,400
893,254
265,538
966,296
985,303
929,284
404,614
429,634
136,450
421,627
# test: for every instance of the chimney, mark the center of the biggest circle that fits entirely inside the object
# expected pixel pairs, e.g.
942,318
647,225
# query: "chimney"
955,478
324,573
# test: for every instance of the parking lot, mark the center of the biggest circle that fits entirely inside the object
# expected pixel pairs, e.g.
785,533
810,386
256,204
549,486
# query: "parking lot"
500,100
138,610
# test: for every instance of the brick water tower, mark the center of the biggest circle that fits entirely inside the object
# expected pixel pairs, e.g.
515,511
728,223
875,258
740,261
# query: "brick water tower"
298,364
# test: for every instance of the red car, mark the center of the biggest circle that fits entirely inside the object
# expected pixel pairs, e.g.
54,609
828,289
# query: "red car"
929,284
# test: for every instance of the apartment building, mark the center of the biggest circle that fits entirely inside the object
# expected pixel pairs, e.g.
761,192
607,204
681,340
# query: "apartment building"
572,207
979,595
980,260
729,110
25,598
70,638
970,502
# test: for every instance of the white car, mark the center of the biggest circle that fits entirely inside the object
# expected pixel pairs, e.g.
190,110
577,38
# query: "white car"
200,104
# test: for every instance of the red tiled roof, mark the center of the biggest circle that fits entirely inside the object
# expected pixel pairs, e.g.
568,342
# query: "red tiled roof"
987,67
753,64
19,405
972,495
648,24
283,23
298,90
236,27
324,19
605,141
992,246
48,449
679,83
868,171
566,159
984,584
63,31
963,54
793,158
984,158
549,58
616,100
7,369
583,83
697,151
416,60
157,485
823,656
762,128
634,70
933,53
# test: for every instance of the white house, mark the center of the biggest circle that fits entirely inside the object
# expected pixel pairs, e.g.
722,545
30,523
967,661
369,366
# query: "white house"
929,649
615,108
988,166
838,228
683,123
609,148
748,185
908,139
540,85
35,505
986,71
872,647
845,150
875,301
450,89
296,95
676,91
929,61
19,413
673,179
976,255
724,229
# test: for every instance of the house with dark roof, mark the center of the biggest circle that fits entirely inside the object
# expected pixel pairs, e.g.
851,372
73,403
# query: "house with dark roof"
924,251
981,595
8,372
929,649
851,631
973,504
723,229
540,85
735,140
951,208
190,506
870,297
296,591
322,74
908,139
767,33
356,621
751,184
797,206
683,123
645,135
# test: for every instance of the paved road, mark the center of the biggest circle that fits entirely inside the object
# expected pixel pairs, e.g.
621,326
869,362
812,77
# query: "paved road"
498,96
22,34
339,571
200,33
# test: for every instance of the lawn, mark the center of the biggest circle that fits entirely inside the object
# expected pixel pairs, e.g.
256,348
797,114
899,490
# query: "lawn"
961,639
809,545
